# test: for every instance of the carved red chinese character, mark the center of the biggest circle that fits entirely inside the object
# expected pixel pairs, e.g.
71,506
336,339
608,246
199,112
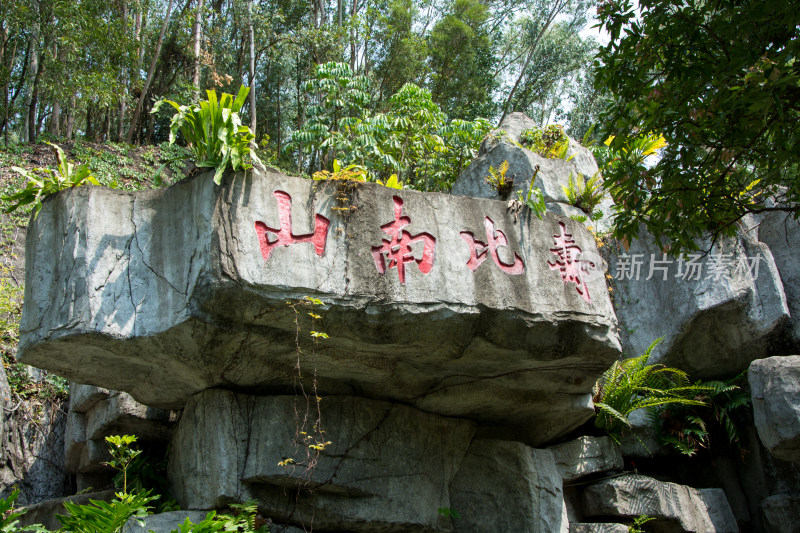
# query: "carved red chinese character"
567,262
284,235
398,249
479,250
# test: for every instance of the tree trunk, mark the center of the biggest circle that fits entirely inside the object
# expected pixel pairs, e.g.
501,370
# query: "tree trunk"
107,130
197,38
252,76
70,118
123,99
33,72
89,122
151,72
554,11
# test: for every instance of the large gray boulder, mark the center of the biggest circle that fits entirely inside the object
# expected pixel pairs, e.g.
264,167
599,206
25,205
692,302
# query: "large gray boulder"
471,311
507,486
780,513
716,313
676,507
386,467
775,390
586,455
503,144
781,233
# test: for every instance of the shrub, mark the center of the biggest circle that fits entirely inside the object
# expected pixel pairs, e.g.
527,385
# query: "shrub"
214,131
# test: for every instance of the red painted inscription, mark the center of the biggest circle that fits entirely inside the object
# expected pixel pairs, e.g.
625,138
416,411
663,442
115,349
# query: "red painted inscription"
284,235
398,250
567,262
479,250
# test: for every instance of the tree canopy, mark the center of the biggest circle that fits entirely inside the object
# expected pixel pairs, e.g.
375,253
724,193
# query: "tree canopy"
720,80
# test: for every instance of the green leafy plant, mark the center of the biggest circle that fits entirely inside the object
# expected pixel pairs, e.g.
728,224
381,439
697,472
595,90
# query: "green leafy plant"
449,513
638,522
243,518
497,178
9,518
585,195
48,181
534,199
110,517
632,384
689,429
106,517
392,182
122,455
214,131
351,172
551,142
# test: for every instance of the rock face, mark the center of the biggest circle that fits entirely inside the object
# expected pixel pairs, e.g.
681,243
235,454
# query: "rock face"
681,507
586,455
446,303
552,177
387,467
95,413
507,486
781,233
715,314
775,385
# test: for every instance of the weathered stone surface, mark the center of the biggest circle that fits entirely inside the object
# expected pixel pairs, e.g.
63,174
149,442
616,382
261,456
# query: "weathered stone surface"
781,233
712,326
163,522
780,513
84,397
586,455
120,414
642,438
553,175
775,390
690,510
74,440
170,294
388,467
507,486
32,451
45,512
598,528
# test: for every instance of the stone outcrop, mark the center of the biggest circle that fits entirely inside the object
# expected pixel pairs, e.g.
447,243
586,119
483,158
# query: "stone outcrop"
775,386
685,508
387,467
724,308
598,528
781,233
586,455
507,486
552,177
186,289
96,413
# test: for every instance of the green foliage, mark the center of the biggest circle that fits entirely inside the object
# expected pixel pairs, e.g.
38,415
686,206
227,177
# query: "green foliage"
412,139
48,181
638,522
719,81
632,384
689,429
449,513
214,131
351,172
105,517
9,518
550,142
243,518
497,178
535,199
585,195
120,448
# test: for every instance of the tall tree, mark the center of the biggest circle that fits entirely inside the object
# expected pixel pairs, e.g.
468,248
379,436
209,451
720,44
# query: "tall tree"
720,81
461,61
150,74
